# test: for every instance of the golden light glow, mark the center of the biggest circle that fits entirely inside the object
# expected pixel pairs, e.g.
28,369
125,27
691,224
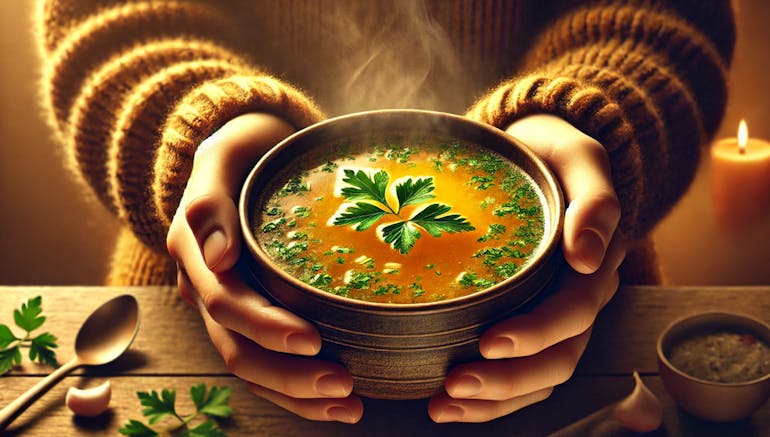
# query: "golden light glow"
743,136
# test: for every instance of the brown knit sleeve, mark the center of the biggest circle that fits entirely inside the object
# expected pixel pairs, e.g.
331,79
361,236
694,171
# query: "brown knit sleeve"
132,88
647,79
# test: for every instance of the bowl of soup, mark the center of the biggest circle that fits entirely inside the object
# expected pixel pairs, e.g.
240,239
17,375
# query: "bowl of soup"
716,365
401,235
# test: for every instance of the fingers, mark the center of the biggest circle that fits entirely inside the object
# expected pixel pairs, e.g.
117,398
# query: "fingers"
443,408
311,388
295,376
347,410
205,239
259,342
485,390
506,379
235,306
582,166
565,314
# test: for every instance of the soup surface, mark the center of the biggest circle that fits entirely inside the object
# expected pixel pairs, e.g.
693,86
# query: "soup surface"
401,221
722,357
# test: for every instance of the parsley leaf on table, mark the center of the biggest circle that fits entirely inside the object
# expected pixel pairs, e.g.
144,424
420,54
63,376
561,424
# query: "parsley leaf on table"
28,317
137,429
157,407
205,429
6,336
41,347
403,234
211,403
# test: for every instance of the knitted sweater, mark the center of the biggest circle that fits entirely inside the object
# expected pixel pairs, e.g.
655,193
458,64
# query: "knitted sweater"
133,87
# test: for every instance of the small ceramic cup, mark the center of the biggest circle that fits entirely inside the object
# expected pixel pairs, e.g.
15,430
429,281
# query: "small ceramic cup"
401,351
713,401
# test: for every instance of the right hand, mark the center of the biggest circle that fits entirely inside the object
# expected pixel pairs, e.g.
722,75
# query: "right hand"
267,346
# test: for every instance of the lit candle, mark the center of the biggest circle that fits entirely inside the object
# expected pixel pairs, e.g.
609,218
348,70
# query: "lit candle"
740,179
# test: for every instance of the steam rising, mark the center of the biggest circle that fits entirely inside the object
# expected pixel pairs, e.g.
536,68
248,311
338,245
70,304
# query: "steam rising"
398,59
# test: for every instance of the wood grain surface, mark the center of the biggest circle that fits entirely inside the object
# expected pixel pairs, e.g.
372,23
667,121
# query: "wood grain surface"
173,351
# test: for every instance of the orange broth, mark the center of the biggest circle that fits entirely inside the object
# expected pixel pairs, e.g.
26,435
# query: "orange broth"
479,218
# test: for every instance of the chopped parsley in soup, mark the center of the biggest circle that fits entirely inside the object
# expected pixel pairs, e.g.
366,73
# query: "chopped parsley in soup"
401,221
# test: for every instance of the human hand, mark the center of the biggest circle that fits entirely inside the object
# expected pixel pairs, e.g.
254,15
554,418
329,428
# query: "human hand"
528,354
265,345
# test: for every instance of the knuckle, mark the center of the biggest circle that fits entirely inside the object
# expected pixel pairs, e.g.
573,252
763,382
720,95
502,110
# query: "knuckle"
563,370
545,394
183,285
172,241
203,204
585,313
606,201
586,319
233,359
584,145
612,287
216,304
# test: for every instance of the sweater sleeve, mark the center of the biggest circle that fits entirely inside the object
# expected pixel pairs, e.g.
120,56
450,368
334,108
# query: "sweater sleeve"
647,79
132,88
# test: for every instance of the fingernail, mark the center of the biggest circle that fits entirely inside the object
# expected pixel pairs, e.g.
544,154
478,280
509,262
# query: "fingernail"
214,247
501,347
340,414
301,344
590,248
331,385
451,413
466,386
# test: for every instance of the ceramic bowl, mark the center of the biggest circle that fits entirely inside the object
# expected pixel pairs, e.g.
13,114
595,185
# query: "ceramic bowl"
402,351
713,401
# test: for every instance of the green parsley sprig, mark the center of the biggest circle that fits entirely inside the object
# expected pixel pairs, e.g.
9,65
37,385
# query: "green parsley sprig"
41,346
158,406
403,234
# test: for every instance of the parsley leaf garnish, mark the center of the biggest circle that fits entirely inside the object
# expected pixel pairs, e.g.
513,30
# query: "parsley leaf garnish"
211,403
362,214
403,234
412,192
429,219
365,187
41,347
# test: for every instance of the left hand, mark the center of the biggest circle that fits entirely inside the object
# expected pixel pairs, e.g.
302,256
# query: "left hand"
528,354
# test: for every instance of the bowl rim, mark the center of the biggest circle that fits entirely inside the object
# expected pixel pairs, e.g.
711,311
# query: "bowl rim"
705,315
549,245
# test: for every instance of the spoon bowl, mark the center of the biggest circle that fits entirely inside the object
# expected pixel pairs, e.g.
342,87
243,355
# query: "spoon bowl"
108,331
103,337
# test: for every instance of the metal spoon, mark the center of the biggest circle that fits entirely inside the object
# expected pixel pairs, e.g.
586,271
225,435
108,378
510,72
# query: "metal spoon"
102,338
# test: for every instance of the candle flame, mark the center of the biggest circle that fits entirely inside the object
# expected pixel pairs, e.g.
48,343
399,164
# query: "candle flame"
743,136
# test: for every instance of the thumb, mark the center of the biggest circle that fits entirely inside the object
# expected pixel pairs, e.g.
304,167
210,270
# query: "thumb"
582,166
221,164
213,220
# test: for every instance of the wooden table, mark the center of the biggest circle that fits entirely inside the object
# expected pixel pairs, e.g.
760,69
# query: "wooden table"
173,351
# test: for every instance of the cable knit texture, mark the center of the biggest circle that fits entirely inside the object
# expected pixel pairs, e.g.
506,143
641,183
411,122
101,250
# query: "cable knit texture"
133,87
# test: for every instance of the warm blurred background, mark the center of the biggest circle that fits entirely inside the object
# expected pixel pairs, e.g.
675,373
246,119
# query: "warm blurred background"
50,234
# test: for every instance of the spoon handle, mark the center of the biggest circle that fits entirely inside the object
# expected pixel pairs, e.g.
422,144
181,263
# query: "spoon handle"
12,410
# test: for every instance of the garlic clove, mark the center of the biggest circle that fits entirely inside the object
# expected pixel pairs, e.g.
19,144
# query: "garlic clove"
640,411
90,401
